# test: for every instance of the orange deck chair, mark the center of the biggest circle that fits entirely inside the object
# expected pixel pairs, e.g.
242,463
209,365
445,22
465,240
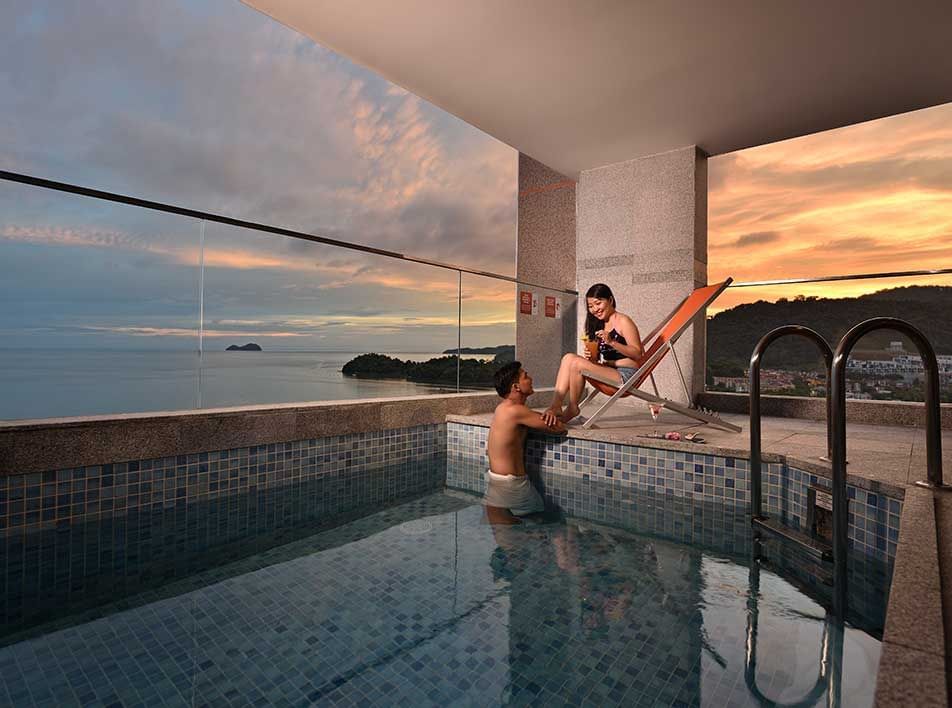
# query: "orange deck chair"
657,345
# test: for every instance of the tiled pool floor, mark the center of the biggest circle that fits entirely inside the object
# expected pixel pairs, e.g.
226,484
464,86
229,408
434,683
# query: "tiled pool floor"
426,604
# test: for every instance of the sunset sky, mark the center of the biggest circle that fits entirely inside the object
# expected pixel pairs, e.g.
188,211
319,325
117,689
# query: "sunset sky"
213,106
874,197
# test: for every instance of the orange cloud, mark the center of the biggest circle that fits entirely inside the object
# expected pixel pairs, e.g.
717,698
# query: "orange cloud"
868,198
186,332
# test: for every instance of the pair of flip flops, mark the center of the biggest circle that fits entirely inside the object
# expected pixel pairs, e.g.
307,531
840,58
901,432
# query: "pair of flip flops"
677,436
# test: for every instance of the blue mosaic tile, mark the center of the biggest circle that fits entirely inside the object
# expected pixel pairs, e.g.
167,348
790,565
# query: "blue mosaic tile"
694,476
194,526
426,605
104,531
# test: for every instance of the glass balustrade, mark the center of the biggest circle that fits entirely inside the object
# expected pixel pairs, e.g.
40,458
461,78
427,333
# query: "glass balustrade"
883,366
99,306
142,308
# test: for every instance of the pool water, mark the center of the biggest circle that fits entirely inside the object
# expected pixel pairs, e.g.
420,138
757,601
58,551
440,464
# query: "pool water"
427,604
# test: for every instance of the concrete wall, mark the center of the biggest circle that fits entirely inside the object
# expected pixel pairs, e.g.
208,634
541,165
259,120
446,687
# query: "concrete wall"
864,412
642,230
545,254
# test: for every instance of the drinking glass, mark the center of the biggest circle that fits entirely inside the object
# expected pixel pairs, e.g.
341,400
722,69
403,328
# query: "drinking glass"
655,410
592,346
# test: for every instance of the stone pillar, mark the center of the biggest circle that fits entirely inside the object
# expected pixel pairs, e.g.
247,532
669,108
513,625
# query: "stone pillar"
545,254
642,230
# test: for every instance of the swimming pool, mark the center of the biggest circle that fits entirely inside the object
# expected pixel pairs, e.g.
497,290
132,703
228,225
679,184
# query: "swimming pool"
425,604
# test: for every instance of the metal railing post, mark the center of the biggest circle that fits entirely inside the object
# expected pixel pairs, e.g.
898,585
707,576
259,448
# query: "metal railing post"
756,464
838,425
459,327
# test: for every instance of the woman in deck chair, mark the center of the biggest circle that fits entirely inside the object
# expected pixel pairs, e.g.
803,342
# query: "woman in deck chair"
619,345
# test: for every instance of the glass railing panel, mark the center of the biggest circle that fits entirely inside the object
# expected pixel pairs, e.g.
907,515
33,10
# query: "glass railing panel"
312,309
98,307
171,111
883,365
488,331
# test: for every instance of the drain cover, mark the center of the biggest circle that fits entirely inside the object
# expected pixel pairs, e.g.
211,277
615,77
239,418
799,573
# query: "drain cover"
416,527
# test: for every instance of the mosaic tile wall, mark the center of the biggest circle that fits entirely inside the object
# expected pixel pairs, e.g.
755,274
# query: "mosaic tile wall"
427,605
45,499
74,536
873,518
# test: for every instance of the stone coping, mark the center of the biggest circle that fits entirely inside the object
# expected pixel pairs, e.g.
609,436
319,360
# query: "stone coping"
912,665
61,443
628,437
900,413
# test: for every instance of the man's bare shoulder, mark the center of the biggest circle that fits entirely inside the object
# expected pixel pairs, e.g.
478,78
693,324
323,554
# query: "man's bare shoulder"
510,414
508,410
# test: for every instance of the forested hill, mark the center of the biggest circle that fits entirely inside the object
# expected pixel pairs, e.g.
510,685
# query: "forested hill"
732,334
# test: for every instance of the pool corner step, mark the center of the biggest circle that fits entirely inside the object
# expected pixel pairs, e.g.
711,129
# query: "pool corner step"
813,546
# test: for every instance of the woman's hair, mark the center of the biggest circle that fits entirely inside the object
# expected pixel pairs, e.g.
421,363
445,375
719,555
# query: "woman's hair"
592,323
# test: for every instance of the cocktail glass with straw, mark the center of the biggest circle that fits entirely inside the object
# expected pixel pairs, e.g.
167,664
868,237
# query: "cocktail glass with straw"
592,346
655,410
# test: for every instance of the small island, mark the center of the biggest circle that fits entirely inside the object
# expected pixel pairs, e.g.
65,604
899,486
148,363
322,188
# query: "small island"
249,347
473,373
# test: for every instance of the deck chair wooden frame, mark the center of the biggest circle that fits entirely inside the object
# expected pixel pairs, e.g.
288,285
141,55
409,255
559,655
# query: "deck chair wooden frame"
658,344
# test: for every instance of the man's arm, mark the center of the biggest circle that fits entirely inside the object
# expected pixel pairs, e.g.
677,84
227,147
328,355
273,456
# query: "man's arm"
529,418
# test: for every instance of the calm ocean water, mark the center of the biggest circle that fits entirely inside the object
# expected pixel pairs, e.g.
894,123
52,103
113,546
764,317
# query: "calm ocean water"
53,383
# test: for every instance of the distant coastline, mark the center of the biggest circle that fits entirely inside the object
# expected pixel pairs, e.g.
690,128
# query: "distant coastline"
443,370
495,351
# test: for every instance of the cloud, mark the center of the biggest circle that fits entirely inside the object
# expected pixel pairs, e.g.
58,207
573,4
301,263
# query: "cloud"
180,332
868,198
218,108
75,236
279,131
757,239
753,239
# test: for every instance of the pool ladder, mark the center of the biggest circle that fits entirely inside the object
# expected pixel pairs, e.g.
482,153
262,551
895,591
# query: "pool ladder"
829,679
836,437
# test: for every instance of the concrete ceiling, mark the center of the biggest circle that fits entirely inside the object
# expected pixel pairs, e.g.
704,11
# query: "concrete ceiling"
577,84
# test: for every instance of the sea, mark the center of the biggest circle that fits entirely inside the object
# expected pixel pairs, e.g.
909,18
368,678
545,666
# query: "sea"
46,383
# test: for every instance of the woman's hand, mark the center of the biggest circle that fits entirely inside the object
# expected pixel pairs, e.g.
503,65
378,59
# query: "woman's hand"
604,336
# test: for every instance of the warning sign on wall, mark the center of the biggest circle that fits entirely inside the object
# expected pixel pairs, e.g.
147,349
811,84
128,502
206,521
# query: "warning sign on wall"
550,301
525,302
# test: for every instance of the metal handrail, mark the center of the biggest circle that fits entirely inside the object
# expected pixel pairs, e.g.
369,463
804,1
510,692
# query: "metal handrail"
756,462
829,675
838,426
256,226
834,278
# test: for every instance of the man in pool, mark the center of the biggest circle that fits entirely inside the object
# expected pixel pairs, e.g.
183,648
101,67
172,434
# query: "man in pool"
509,492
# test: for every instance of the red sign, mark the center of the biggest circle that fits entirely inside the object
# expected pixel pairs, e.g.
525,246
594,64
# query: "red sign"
525,302
550,306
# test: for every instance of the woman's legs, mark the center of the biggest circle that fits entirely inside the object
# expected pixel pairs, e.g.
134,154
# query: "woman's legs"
562,381
569,382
